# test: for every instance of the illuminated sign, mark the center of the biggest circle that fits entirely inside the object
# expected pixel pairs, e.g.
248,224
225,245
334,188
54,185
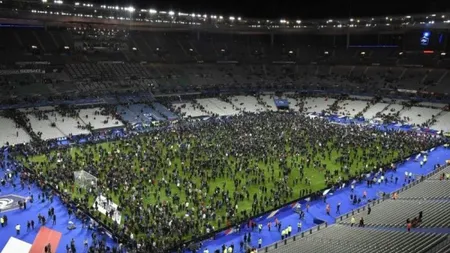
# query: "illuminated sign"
425,39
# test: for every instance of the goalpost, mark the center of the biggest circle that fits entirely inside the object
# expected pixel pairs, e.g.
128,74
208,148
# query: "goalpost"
84,179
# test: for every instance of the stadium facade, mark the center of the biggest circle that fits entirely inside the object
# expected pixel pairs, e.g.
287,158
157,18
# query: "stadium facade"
58,43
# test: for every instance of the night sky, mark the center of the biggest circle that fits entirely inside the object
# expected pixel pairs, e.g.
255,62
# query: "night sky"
299,9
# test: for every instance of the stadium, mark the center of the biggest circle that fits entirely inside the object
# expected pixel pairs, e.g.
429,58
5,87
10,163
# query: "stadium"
144,130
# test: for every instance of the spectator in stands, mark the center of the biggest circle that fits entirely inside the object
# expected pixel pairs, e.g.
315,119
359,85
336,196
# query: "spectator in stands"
361,222
352,221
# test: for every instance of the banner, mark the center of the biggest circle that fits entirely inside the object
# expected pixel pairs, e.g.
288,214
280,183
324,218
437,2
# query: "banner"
23,63
283,62
407,91
227,62
4,72
110,62
281,103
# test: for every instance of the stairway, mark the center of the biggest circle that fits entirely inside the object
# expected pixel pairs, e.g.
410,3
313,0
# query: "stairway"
41,46
425,77
18,39
402,74
442,77
54,40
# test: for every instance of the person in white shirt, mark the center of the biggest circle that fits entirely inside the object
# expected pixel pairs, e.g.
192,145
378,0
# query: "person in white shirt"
18,229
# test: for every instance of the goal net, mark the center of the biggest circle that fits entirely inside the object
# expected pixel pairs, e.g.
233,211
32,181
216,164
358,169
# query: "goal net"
85,179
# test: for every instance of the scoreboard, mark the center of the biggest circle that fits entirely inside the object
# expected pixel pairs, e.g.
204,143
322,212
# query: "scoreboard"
427,39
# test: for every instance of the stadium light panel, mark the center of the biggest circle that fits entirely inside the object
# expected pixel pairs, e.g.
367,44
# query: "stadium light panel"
298,21
58,2
152,11
77,4
232,18
130,9
171,13
44,1
66,47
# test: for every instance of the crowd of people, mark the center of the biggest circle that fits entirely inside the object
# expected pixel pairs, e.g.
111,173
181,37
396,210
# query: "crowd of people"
190,179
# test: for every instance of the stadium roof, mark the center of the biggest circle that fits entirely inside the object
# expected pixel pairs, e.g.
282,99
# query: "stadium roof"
129,15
